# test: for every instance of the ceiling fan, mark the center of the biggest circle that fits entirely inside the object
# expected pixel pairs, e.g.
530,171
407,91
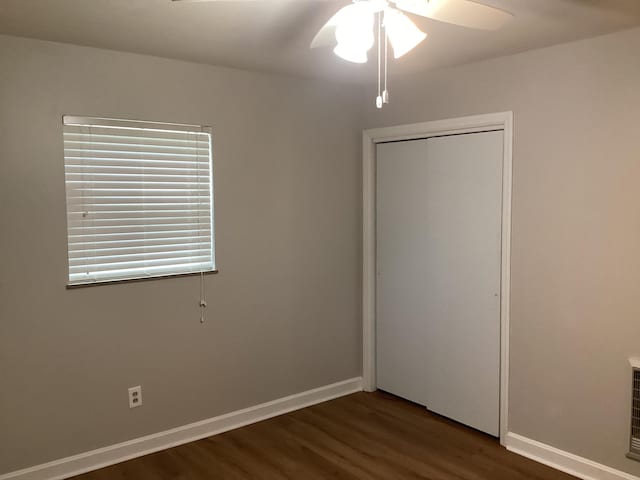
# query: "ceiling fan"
352,29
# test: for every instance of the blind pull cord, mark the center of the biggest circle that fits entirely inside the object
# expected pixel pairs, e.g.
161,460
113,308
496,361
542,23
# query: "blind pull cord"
203,300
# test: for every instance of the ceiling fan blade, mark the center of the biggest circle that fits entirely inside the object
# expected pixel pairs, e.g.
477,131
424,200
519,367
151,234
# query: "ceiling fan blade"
402,32
203,1
234,1
466,13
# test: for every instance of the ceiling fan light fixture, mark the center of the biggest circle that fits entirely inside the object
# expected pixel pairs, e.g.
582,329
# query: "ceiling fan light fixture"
351,53
354,32
402,32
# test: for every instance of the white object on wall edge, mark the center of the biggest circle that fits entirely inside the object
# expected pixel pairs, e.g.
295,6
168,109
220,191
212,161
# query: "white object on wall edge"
120,452
564,461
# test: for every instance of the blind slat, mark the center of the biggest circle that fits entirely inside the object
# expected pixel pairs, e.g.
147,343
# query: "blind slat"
97,250
105,153
113,146
150,228
79,221
131,139
100,215
140,272
139,200
150,207
101,260
89,162
131,242
99,267
118,173
98,236
113,130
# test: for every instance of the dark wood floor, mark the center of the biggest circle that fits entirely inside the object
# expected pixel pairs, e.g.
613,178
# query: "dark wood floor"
361,436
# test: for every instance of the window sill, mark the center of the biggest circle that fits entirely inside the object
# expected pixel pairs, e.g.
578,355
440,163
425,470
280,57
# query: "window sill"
73,286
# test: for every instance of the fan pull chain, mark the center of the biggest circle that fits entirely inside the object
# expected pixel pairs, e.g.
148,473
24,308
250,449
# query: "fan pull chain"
385,92
383,96
379,100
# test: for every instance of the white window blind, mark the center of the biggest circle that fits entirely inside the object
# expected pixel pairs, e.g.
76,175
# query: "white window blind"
139,199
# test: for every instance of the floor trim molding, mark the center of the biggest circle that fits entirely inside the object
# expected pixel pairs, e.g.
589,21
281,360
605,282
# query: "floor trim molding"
564,461
102,457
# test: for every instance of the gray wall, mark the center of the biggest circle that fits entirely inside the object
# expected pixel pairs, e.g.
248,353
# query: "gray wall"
284,312
576,228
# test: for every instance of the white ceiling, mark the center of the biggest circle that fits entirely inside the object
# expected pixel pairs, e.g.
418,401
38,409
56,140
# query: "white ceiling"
273,35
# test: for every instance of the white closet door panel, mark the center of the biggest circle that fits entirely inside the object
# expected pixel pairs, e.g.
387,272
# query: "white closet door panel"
463,205
401,328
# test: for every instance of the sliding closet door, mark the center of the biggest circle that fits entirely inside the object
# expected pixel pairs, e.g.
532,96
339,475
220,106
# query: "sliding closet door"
438,284
401,329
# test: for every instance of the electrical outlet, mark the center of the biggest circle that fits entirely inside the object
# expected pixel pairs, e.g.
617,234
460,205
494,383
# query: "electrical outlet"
135,396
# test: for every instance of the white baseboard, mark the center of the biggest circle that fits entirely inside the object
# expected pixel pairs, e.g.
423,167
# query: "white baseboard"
102,457
564,461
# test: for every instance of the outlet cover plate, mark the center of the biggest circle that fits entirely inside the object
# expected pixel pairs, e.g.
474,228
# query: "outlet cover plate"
135,396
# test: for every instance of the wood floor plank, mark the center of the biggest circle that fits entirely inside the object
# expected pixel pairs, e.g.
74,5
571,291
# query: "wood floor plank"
364,436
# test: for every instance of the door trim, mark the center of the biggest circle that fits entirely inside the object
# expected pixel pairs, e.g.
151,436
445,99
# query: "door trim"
472,124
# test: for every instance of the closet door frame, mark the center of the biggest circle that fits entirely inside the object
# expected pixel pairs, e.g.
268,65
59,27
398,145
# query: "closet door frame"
471,124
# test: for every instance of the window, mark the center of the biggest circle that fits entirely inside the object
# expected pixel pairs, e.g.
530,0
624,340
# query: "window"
139,199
